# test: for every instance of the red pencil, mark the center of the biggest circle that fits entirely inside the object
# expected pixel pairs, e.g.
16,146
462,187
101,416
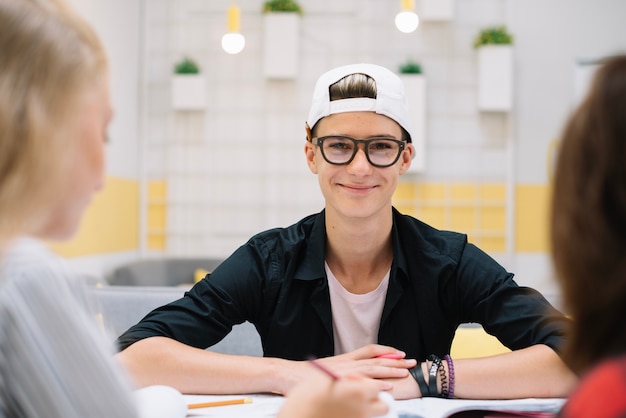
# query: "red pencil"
395,356
324,369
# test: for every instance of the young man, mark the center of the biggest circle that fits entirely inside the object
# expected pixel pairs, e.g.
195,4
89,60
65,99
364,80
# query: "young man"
368,290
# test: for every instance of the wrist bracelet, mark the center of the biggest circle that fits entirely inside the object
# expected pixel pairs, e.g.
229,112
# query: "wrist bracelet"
444,382
451,376
418,375
432,374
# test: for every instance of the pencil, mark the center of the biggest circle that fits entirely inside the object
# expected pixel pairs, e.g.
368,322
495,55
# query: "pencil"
394,356
324,369
219,403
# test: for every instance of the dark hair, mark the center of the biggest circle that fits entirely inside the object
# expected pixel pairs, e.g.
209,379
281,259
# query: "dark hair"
354,86
588,219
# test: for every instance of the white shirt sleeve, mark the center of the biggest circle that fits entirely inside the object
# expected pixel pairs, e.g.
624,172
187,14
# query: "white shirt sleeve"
55,359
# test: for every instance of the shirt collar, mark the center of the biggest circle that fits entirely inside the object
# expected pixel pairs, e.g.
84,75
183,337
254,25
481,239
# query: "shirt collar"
312,265
399,255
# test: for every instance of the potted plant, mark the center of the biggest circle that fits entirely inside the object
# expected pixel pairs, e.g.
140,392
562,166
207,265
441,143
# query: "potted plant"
495,68
188,86
497,35
186,66
415,89
410,67
281,38
281,6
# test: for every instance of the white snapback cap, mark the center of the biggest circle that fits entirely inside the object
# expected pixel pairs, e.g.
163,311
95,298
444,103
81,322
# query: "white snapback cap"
390,98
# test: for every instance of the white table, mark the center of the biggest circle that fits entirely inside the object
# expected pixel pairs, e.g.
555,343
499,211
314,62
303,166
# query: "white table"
267,406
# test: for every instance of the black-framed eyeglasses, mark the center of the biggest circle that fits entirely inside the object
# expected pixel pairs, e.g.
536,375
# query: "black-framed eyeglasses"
340,149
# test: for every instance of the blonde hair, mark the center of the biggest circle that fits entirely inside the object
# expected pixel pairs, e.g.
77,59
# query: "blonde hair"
48,58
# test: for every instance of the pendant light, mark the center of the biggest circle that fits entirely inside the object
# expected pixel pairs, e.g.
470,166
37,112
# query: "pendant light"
233,41
407,20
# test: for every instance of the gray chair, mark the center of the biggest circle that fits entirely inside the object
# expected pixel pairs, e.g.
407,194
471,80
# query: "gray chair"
121,307
161,271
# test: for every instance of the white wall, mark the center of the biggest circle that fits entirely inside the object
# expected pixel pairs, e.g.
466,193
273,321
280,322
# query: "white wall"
119,25
550,37
238,168
244,155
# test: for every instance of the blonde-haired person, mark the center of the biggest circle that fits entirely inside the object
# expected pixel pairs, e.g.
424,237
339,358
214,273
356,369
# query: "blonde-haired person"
589,243
54,113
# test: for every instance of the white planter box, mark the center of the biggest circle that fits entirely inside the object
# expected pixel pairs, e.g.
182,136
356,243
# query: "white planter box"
495,78
281,49
189,92
437,10
415,88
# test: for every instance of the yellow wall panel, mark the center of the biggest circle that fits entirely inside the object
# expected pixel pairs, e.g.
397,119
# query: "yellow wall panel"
531,218
493,219
431,191
405,191
493,191
480,210
434,216
463,219
462,191
493,244
407,209
110,224
475,342
157,214
156,241
157,190
157,217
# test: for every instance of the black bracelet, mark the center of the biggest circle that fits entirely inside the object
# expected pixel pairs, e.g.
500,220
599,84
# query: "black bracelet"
432,374
444,382
418,375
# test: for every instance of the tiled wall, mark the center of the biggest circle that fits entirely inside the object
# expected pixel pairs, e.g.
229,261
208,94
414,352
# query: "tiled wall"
210,179
238,167
478,209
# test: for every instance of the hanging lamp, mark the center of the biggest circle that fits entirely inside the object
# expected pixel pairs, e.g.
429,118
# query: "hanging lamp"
233,41
407,20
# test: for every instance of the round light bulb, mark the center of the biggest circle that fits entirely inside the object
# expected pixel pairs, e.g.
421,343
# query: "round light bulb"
407,21
233,43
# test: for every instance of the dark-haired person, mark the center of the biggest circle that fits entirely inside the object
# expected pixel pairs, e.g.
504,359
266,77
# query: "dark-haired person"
366,289
589,243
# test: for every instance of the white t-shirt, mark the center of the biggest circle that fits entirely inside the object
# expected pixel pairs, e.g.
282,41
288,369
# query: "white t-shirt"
356,318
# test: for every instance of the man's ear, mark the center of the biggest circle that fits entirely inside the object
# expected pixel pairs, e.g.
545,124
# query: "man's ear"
309,149
406,157
309,152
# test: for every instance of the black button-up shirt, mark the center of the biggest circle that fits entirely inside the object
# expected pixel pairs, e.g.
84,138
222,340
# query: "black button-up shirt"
277,282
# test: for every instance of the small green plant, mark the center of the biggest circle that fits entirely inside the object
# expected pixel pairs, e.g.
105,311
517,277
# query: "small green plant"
186,66
281,6
410,67
497,35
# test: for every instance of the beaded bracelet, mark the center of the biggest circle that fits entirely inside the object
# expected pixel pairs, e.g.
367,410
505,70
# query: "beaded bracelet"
451,376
